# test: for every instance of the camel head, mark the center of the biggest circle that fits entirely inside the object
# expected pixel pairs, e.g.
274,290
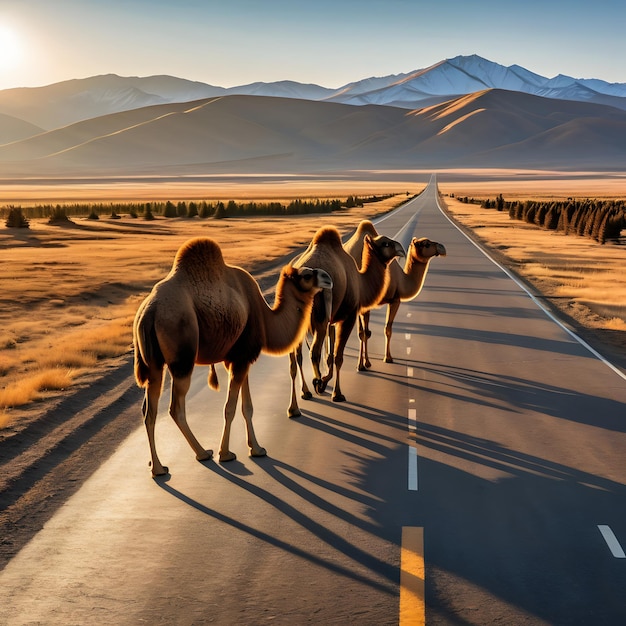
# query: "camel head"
384,248
423,249
307,279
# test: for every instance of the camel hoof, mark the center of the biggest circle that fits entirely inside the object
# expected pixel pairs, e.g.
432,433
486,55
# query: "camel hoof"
319,385
291,413
258,452
162,472
368,364
388,359
362,368
208,454
227,456
307,395
339,398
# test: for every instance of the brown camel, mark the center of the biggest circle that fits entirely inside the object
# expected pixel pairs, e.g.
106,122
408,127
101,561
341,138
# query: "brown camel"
205,312
404,284
353,290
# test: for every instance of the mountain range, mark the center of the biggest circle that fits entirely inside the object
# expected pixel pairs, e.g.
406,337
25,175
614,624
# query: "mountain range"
461,112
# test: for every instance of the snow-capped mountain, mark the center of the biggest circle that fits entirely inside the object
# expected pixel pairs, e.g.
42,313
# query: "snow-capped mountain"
468,74
67,102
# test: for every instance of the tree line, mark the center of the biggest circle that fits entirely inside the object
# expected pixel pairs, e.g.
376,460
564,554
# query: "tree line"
18,217
602,220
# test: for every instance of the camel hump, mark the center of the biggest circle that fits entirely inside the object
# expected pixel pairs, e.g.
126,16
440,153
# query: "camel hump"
328,236
200,252
367,228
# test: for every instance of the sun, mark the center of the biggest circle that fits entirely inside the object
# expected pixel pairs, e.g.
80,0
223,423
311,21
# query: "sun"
10,48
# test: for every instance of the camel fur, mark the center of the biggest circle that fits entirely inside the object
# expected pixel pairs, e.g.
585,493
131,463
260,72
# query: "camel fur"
206,312
353,289
404,284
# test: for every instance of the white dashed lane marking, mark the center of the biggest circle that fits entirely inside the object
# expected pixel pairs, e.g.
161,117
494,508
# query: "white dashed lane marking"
412,569
412,468
611,540
412,425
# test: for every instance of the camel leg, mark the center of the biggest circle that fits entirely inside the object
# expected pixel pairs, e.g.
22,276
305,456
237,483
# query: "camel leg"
293,410
235,381
246,409
149,409
343,333
364,335
180,387
392,310
306,394
319,337
330,360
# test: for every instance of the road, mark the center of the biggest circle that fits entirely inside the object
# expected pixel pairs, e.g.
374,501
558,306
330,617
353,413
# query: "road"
479,479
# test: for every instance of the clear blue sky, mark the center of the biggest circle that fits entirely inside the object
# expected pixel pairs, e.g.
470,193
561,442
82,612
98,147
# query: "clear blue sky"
327,42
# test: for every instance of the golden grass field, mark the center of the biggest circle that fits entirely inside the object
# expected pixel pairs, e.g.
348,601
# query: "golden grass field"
69,293
576,271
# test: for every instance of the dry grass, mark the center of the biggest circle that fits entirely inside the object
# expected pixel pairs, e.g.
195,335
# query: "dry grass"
39,382
584,279
68,294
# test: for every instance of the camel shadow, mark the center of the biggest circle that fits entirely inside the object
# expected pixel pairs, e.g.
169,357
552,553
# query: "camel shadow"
471,523
518,394
351,433
503,392
276,470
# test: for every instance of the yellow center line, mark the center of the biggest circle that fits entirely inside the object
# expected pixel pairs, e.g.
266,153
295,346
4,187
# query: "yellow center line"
412,604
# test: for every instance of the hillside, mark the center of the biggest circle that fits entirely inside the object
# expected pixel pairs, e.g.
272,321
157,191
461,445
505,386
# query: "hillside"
16,129
243,133
67,102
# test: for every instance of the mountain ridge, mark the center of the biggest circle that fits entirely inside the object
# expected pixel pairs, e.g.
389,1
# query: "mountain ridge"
244,133
66,102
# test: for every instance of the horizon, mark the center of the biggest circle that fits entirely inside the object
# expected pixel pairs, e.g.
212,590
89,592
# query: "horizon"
326,43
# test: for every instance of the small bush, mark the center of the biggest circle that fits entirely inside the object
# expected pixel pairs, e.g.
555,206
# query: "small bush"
16,219
59,216
170,210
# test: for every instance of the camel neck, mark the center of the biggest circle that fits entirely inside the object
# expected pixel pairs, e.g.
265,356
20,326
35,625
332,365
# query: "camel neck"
413,276
286,322
373,278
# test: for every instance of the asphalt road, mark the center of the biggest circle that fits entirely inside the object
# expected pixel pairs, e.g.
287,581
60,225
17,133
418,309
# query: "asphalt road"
479,479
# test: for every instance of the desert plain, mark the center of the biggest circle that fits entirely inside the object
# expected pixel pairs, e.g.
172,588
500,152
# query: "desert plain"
69,293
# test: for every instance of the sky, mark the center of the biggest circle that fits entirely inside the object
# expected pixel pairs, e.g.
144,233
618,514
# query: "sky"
326,42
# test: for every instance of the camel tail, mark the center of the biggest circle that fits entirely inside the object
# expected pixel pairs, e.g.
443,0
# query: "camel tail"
214,383
147,351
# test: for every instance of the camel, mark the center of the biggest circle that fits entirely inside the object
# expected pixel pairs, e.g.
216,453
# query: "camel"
404,284
353,289
206,312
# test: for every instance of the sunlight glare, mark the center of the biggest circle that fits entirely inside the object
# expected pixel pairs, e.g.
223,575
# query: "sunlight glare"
10,50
